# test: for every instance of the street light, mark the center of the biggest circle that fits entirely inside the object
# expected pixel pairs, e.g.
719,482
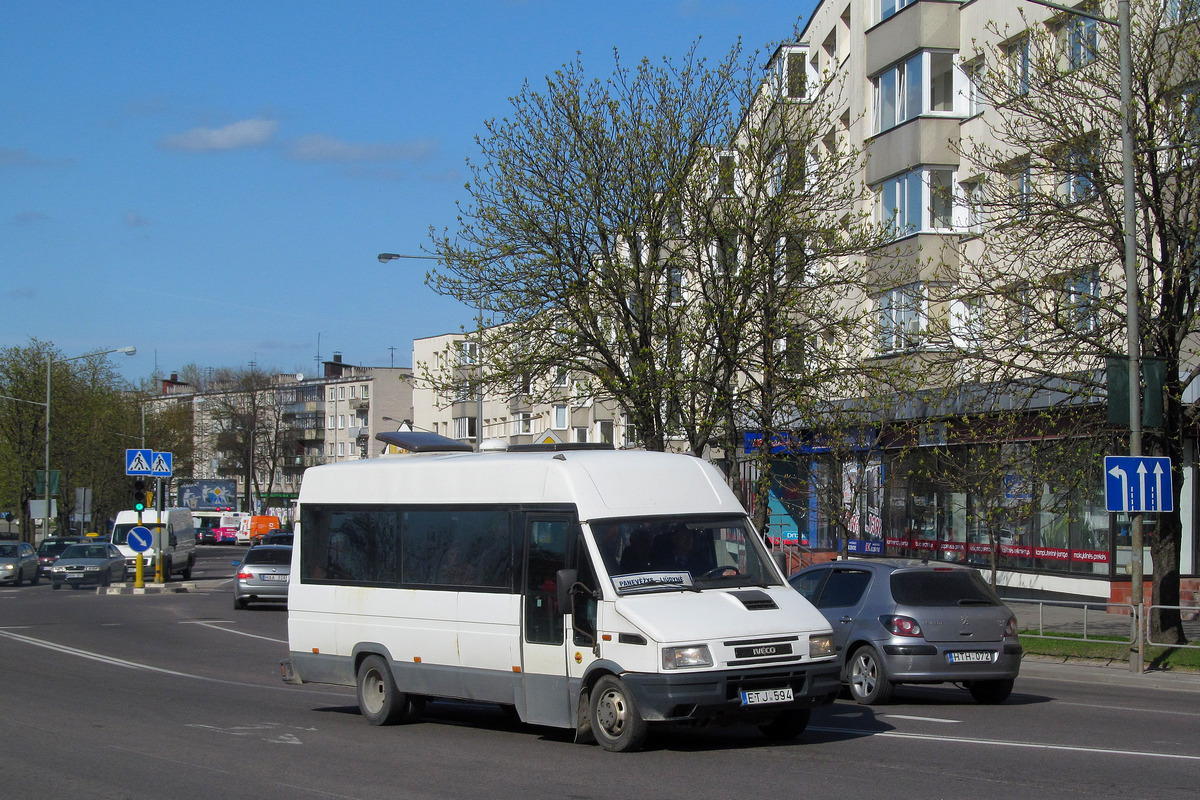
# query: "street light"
385,258
1133,334
50,361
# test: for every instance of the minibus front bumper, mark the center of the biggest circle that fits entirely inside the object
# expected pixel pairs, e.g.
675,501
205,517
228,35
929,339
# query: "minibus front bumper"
713,694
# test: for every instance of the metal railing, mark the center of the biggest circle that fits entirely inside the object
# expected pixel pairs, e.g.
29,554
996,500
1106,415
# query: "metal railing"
1191,627
1099,621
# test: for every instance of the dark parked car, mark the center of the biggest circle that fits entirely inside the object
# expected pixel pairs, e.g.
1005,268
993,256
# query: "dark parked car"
914,622
49,551
277,537
97,563
18,562
262,575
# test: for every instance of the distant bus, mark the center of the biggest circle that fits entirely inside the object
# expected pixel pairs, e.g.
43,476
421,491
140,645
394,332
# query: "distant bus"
217,527
590,589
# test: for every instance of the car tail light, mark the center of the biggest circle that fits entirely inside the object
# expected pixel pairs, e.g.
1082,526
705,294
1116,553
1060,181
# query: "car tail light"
1010,627
902,626
245,576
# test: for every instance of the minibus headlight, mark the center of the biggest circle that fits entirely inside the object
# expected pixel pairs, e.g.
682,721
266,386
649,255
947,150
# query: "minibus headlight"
820,646
695,655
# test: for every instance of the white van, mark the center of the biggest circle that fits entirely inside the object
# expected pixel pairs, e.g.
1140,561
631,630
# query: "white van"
174,540
589,589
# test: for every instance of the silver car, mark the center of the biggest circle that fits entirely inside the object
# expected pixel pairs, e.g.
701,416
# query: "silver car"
914,622
262,575
18,563
97,563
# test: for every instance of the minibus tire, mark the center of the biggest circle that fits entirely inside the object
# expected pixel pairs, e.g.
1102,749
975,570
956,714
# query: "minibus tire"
378,698
616,722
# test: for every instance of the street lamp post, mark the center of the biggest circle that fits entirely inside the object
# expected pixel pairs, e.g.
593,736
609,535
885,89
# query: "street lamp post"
50,361
1132,324
385,258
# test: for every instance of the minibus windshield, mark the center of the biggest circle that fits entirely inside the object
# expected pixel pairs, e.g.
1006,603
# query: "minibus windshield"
681,553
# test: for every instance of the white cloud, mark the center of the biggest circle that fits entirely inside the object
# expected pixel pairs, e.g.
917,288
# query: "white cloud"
320,147
235,136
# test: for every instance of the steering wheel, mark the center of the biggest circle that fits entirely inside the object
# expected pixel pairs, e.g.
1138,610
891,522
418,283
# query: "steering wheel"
721,572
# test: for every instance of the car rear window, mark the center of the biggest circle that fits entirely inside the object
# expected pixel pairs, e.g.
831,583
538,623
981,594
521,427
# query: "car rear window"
268,555
941,588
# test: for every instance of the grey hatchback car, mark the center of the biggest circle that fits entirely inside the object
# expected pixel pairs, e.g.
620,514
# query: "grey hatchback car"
897,621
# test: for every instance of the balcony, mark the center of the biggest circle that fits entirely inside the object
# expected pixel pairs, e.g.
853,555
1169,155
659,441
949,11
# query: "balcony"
357,403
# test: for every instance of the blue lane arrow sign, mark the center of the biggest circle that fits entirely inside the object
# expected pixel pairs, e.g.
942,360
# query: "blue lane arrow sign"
1138,484
140,539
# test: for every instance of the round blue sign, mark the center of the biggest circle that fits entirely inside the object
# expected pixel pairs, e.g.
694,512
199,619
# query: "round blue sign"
140,539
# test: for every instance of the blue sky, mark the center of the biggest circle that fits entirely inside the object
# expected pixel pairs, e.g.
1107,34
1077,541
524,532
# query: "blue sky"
211,182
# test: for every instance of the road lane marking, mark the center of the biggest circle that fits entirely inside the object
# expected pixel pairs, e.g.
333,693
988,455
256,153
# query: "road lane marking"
217,627
922,719
1003,743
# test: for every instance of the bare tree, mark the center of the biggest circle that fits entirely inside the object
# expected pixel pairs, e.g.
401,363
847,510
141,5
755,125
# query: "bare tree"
1047,197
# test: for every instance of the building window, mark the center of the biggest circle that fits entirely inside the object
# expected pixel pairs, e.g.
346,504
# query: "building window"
522,423
975,73
792,73
888,8
920,200
581,435
341,422
365,394
467,352
559,418
341,392
726,174
606,430
1082,301
1182,10
329,424
1020,186
974,199
902,317
352,392
560,377
1016,53
921,84
1081,40
1076,184
464,427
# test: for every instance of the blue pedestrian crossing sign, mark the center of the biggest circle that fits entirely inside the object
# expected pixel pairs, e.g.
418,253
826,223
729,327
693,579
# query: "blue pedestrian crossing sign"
148,462
161,464
137,462
1138,484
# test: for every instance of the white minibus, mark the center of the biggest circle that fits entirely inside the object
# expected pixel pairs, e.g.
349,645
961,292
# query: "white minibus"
586,588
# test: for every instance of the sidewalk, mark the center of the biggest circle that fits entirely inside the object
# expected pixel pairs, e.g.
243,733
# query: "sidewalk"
1094,622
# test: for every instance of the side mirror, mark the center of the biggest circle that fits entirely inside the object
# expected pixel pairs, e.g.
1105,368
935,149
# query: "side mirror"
565,578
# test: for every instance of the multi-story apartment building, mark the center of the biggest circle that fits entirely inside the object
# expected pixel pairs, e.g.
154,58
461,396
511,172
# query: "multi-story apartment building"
912,75
298,422
551,409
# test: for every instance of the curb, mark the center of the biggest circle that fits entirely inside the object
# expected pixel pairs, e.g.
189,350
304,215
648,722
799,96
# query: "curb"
149,588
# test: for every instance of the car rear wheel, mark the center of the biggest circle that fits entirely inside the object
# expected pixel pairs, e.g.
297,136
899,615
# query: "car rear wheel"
378,698
869,684
990,692
616,722
788,725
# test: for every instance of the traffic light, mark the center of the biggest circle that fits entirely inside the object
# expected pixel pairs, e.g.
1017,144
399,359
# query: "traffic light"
139,496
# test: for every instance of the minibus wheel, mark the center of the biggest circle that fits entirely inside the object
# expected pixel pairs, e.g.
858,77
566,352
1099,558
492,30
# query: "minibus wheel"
378,698
616,722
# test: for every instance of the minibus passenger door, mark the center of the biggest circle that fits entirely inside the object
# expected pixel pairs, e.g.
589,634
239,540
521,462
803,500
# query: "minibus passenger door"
543,654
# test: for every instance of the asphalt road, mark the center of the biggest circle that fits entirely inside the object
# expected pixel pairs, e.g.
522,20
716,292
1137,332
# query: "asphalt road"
177,695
